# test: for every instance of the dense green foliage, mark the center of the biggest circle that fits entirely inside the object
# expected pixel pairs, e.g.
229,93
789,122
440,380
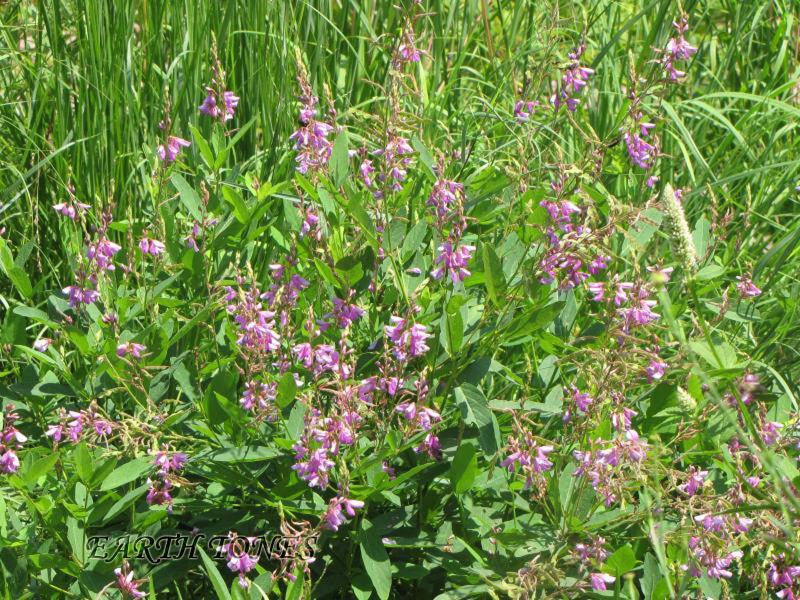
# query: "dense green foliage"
91,89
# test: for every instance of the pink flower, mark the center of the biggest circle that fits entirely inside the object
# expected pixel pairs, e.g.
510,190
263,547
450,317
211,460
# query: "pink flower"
132,348
677,49
78,295
409,342
169,152
770,432
42,344
127,584
150,246
600,580
70,209
9,463
655,370
695,481
334,517
746,288
453,261
210,105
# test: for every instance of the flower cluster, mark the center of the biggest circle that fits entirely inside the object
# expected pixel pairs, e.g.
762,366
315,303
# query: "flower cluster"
334,517
572,254
320,442
642,149
11,440
77,425
169,150
574,79
447,201
238,558
608,464
408,339
71,208
395,159
783,577
311,138
127,585
523,452
591,556
161,481
678,49
99,261
150,246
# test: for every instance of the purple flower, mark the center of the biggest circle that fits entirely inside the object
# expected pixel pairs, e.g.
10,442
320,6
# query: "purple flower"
101,252
453,261
746,288
600,580
409,342
239,559
70,209
695,481
130,348
334,517
677,49
523,110
169,152
42,344
655,370
311,139
770,432
430,446
211,107
573,80
150,246
159,493
9,463
127,584
78,295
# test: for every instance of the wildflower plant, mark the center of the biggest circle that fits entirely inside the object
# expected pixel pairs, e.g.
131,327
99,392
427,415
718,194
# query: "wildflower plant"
437,300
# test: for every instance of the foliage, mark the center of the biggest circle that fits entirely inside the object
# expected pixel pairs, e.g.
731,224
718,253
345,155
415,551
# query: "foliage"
464,298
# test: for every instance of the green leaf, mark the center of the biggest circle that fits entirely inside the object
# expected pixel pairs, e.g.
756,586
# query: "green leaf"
464,468
287,389
424,155
35,314
376,560
32,473
83,462
16,274
240,454
621,562
452,331
188,196
475,411
493,272
205,149
125,502
720,355
217,582
701,235
340,160
234,198
413,240
126,473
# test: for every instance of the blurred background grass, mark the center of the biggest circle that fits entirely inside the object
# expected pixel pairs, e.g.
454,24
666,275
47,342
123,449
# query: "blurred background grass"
85,84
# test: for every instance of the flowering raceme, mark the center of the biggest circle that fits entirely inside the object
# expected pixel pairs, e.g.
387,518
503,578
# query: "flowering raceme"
311,139
168,152
678,49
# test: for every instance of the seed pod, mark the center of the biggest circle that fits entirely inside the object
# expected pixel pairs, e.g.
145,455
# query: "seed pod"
679,229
